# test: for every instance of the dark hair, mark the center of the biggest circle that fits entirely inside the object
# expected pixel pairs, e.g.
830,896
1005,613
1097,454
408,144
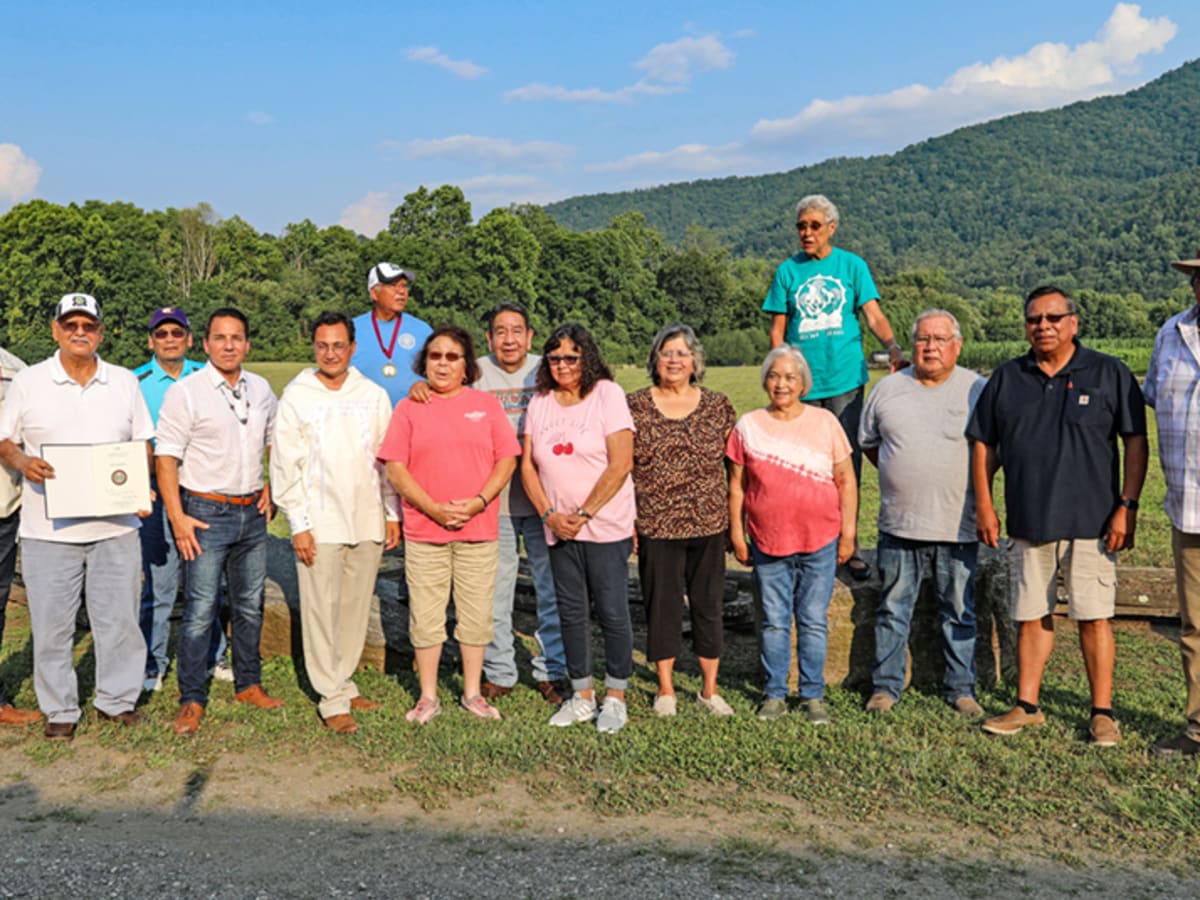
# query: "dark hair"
505,306
333,317
227,312
1047,289
463,338
591,362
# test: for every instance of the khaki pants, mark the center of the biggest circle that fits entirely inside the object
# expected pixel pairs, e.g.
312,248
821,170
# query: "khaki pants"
431,570
335,604
1186,548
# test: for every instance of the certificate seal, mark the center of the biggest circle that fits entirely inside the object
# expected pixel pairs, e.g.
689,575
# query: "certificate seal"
119,477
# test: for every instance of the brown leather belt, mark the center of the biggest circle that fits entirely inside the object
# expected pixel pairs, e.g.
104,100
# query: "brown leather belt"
244,500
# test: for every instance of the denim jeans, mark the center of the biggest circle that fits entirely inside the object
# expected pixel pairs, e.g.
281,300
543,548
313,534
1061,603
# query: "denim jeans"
9,526
901,565
233,545
500,658
799,585
587,573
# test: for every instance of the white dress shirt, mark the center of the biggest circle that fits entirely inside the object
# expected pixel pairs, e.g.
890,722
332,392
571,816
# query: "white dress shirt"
1173,388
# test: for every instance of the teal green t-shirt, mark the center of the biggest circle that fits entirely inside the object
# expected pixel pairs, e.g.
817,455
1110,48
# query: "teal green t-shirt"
821,299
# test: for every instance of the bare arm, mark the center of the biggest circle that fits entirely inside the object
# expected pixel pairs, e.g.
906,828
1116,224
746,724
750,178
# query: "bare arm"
1123,524
408,488
778,329
469,507
882,329
847,488
983,471
35,469
737,512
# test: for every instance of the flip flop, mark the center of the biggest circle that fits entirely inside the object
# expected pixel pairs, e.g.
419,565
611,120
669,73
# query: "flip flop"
859,568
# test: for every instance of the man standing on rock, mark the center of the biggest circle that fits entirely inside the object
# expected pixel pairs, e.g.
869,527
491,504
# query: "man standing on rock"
74,397
212,432
1052,418
1173,389
341,507
914,430
389,341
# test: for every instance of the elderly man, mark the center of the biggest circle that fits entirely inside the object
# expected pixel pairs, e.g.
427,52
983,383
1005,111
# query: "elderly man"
1052,418
341,508
71,398
814,302
169,341
1173,388
913,429
212,431
10,521
391,340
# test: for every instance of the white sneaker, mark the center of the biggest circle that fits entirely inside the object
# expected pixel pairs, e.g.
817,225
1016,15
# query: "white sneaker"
223,672
613,716
574,709
715,704
664,705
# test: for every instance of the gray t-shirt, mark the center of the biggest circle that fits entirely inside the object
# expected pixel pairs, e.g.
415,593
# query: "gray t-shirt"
514,391
925,491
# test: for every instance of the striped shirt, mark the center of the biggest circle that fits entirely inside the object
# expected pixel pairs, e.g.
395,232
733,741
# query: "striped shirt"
1173,388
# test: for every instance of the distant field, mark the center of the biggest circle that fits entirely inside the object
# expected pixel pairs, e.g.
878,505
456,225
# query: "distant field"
741,385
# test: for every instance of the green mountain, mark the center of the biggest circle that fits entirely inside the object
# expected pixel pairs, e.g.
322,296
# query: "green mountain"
1099,194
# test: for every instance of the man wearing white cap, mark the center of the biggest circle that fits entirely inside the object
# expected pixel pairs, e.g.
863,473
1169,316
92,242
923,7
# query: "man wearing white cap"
1172,382
388,340
71,398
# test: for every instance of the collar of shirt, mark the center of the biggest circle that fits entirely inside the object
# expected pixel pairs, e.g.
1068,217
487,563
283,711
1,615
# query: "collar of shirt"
60,376
1081,359
217,380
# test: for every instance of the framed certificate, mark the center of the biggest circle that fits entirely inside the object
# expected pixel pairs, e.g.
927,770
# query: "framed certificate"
96,480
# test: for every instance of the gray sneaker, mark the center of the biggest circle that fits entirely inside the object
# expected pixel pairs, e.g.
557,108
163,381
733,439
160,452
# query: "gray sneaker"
816,712
574,709
715,704
772,709
613,716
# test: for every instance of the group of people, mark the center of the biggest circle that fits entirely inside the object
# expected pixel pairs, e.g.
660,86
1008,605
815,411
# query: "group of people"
403,430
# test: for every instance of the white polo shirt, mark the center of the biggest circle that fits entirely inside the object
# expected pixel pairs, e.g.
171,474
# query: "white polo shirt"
44,405
218,432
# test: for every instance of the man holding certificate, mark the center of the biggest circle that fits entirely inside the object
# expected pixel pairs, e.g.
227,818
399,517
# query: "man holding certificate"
75,399
212,430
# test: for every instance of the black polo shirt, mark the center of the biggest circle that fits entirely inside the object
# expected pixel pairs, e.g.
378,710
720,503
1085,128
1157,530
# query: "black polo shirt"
1057,441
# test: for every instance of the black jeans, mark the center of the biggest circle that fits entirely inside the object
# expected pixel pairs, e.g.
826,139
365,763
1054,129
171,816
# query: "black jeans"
587,572
8,567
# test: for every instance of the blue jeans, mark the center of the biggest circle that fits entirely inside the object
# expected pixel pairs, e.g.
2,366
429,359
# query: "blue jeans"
233,545
799,585
500,658
901,565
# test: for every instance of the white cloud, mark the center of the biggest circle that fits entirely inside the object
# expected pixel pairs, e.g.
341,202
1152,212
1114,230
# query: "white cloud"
258,117
461,67
485,151
669,69
487,192
19,174
1047,75
368,215
696,159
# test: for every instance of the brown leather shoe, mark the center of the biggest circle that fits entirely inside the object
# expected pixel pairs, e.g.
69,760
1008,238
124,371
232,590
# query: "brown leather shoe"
188,720
491,691
551,692
342,724
256,696
362,704
129,718
59,731
10,715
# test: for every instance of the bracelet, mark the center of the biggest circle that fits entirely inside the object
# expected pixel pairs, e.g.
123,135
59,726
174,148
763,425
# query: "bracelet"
549,512
481,500
583,512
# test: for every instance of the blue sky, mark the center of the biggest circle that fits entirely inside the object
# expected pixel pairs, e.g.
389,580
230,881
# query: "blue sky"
277,112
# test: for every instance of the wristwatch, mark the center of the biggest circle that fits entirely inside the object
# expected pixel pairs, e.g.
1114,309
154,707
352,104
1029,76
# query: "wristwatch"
1129,504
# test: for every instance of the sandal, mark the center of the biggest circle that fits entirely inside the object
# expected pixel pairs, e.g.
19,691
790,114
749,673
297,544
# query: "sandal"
425,710
859,568
479,707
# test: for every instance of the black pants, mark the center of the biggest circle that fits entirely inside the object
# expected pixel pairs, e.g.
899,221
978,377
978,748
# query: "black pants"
671,569
587,572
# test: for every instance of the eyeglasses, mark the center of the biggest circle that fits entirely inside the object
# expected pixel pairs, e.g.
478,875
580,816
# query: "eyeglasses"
568,361
162,334
938,340
674,354
339,348
76,325
449,356
1052,318
809,226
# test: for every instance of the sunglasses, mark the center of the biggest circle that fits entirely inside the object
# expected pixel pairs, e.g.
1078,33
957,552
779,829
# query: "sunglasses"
164,333
1052,318
449,356
568,361
75,325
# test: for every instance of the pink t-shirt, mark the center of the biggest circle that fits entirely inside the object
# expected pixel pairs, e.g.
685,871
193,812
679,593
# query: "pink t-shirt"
450,447
570,454
791,500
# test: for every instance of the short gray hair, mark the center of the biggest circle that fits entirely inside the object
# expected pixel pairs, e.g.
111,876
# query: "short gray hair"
787,350
936,314
820,203
669,333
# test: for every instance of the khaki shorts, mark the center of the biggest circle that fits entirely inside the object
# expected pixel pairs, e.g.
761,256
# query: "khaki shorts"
1088,569
431,570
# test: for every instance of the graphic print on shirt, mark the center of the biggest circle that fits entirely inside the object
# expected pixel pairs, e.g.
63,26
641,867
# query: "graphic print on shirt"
806,462
819,302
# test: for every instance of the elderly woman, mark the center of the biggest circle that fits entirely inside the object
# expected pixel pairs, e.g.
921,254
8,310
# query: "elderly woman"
575,469
792,490
448,459
682,511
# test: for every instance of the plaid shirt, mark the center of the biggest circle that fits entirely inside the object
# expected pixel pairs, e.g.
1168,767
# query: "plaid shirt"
1173,388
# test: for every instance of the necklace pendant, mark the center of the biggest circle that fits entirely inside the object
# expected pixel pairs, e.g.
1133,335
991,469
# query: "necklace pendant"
389,371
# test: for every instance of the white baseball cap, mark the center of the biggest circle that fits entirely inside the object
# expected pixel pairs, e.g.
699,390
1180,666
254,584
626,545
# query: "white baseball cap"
387,273
77,303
